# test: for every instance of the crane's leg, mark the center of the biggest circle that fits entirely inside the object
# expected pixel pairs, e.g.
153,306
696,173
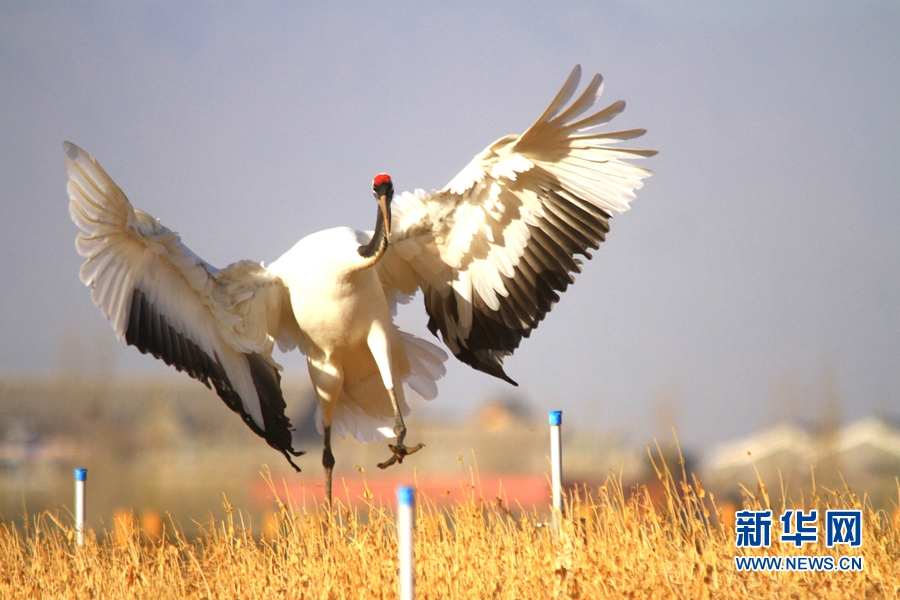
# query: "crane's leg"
381,352
328,463
399,449
328,380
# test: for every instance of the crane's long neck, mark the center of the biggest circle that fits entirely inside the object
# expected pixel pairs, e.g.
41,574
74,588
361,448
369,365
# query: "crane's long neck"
374,250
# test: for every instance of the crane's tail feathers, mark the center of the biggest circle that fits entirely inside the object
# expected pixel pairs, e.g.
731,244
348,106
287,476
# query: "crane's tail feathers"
426,365
350,419
364,409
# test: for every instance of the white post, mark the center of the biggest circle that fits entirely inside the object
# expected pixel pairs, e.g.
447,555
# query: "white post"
556,464
405,527
80,482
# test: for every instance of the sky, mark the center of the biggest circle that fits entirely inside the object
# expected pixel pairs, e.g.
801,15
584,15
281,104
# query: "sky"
756,276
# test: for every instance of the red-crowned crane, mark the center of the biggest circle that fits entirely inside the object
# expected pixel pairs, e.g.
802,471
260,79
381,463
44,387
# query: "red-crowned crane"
490,253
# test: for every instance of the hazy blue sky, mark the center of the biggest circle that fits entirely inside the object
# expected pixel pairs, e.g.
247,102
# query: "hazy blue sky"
761,258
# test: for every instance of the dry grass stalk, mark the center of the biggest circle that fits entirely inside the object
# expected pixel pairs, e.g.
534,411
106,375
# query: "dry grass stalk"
615,544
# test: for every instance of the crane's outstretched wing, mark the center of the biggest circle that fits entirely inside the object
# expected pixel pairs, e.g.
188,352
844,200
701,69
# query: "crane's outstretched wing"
491,251
218,326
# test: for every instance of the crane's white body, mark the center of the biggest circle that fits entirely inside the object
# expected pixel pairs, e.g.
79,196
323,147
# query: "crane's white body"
354,352
489,252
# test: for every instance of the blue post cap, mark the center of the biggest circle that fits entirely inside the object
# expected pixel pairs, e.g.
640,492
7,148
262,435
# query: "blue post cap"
405,495
556,417
80,474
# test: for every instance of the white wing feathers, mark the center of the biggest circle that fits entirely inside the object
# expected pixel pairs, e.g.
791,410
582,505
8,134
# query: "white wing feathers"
492,249
217,325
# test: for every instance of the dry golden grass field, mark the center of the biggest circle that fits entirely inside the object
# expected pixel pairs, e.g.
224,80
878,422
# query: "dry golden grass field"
614,543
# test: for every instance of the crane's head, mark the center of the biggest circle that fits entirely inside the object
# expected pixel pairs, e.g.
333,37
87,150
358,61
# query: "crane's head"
383,188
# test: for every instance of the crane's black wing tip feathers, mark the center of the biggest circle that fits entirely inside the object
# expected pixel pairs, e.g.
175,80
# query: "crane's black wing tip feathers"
485,361
571,226
150,332
267,381
288,454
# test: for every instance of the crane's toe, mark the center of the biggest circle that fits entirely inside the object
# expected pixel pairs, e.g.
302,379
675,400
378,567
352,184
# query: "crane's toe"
400,452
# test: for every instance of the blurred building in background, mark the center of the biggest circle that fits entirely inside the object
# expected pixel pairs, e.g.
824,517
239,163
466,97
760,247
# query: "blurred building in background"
864,456
171,447
169,451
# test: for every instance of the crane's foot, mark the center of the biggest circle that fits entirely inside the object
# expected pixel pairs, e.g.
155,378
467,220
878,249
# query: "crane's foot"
400,452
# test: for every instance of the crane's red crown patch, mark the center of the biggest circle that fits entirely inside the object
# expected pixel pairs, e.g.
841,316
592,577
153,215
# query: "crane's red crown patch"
381,179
